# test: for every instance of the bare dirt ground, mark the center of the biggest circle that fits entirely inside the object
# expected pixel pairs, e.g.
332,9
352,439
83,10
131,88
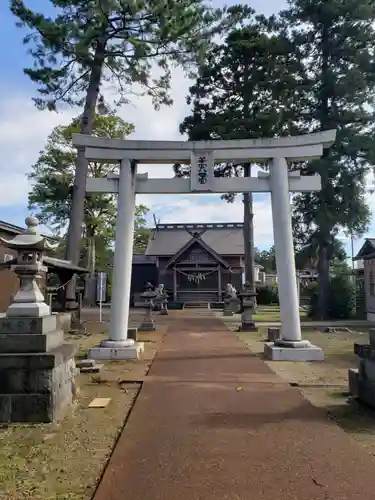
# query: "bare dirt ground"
325,384
65,461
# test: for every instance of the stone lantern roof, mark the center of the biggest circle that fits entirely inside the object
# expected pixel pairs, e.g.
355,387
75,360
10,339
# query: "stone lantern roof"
30,239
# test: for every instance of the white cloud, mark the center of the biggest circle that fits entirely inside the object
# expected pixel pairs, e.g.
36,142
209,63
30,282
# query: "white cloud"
23,131
206,209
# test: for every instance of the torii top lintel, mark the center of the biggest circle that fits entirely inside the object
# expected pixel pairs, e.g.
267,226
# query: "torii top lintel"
298,148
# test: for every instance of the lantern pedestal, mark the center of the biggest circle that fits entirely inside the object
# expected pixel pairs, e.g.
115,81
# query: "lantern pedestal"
148,324
248,297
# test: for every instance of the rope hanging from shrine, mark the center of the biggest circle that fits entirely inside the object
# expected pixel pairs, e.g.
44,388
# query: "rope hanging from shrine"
196,278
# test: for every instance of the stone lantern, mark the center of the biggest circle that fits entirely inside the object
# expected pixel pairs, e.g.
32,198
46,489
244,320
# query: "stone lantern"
148,324
30,247
248,299
37,369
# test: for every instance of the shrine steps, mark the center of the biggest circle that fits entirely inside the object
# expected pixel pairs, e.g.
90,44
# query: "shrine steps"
197,305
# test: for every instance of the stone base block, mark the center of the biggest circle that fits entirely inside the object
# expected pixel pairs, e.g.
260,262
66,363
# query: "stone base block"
147,327
228,313
353,376
34,342
277,353
37,388
248,327
63,321
32,309
366,391
91,369
122,353
366,369
132,333
273,334
28,325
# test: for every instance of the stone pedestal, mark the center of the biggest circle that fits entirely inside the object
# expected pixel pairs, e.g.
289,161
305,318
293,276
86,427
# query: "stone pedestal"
303,350
149,295
228,309
36,370
248,297
273,334
105,352
362,379
148,324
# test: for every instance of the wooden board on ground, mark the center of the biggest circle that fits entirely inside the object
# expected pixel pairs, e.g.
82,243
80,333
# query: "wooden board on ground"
99,402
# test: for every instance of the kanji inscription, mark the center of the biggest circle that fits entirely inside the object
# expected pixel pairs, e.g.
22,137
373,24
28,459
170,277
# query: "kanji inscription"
202,170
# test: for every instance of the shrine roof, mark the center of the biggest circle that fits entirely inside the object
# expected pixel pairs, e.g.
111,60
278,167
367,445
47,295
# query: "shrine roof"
367,250
225,239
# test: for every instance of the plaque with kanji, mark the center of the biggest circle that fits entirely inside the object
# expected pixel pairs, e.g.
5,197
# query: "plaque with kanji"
202,170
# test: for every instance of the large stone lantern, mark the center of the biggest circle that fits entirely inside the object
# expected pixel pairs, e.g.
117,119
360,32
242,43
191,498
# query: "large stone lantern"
30,247
37,368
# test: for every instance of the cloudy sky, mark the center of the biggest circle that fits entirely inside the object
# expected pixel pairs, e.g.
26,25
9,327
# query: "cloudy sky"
24,129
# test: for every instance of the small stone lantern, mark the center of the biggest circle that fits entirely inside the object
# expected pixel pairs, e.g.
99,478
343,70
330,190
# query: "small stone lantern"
30,247
148,324
248,299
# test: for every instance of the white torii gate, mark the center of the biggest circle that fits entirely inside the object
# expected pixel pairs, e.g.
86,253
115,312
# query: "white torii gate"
202,156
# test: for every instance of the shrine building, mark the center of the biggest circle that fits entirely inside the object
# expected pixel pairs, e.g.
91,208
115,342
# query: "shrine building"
196,261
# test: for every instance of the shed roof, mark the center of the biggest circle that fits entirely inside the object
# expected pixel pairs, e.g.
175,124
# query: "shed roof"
225,239
12,229
140,258
51,263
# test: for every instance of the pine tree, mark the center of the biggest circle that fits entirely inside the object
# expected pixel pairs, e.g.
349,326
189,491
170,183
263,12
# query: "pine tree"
336,41
250,86
91,42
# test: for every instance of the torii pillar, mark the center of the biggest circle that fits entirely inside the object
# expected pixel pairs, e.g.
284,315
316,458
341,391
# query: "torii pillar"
290,347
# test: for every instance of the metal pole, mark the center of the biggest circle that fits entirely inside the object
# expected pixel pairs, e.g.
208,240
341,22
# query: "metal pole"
100,297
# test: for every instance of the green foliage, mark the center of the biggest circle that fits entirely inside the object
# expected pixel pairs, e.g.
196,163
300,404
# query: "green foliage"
52,179
267,295
266,258
307,256
115,42
341,299
335,41
244,90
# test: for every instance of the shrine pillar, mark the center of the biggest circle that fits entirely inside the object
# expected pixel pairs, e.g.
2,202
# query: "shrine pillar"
285,263
290,347
119,346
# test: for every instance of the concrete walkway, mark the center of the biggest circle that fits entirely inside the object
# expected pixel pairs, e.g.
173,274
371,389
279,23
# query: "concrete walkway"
213,422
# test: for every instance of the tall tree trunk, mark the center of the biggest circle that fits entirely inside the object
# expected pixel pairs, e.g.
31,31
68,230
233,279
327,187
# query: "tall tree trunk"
324,285
79,186
326,123
90,281
248,231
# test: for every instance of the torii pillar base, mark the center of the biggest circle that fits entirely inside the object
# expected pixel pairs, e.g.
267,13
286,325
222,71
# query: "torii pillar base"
282,350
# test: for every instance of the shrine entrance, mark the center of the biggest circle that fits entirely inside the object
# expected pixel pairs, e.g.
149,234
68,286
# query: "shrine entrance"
198,285
202,156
